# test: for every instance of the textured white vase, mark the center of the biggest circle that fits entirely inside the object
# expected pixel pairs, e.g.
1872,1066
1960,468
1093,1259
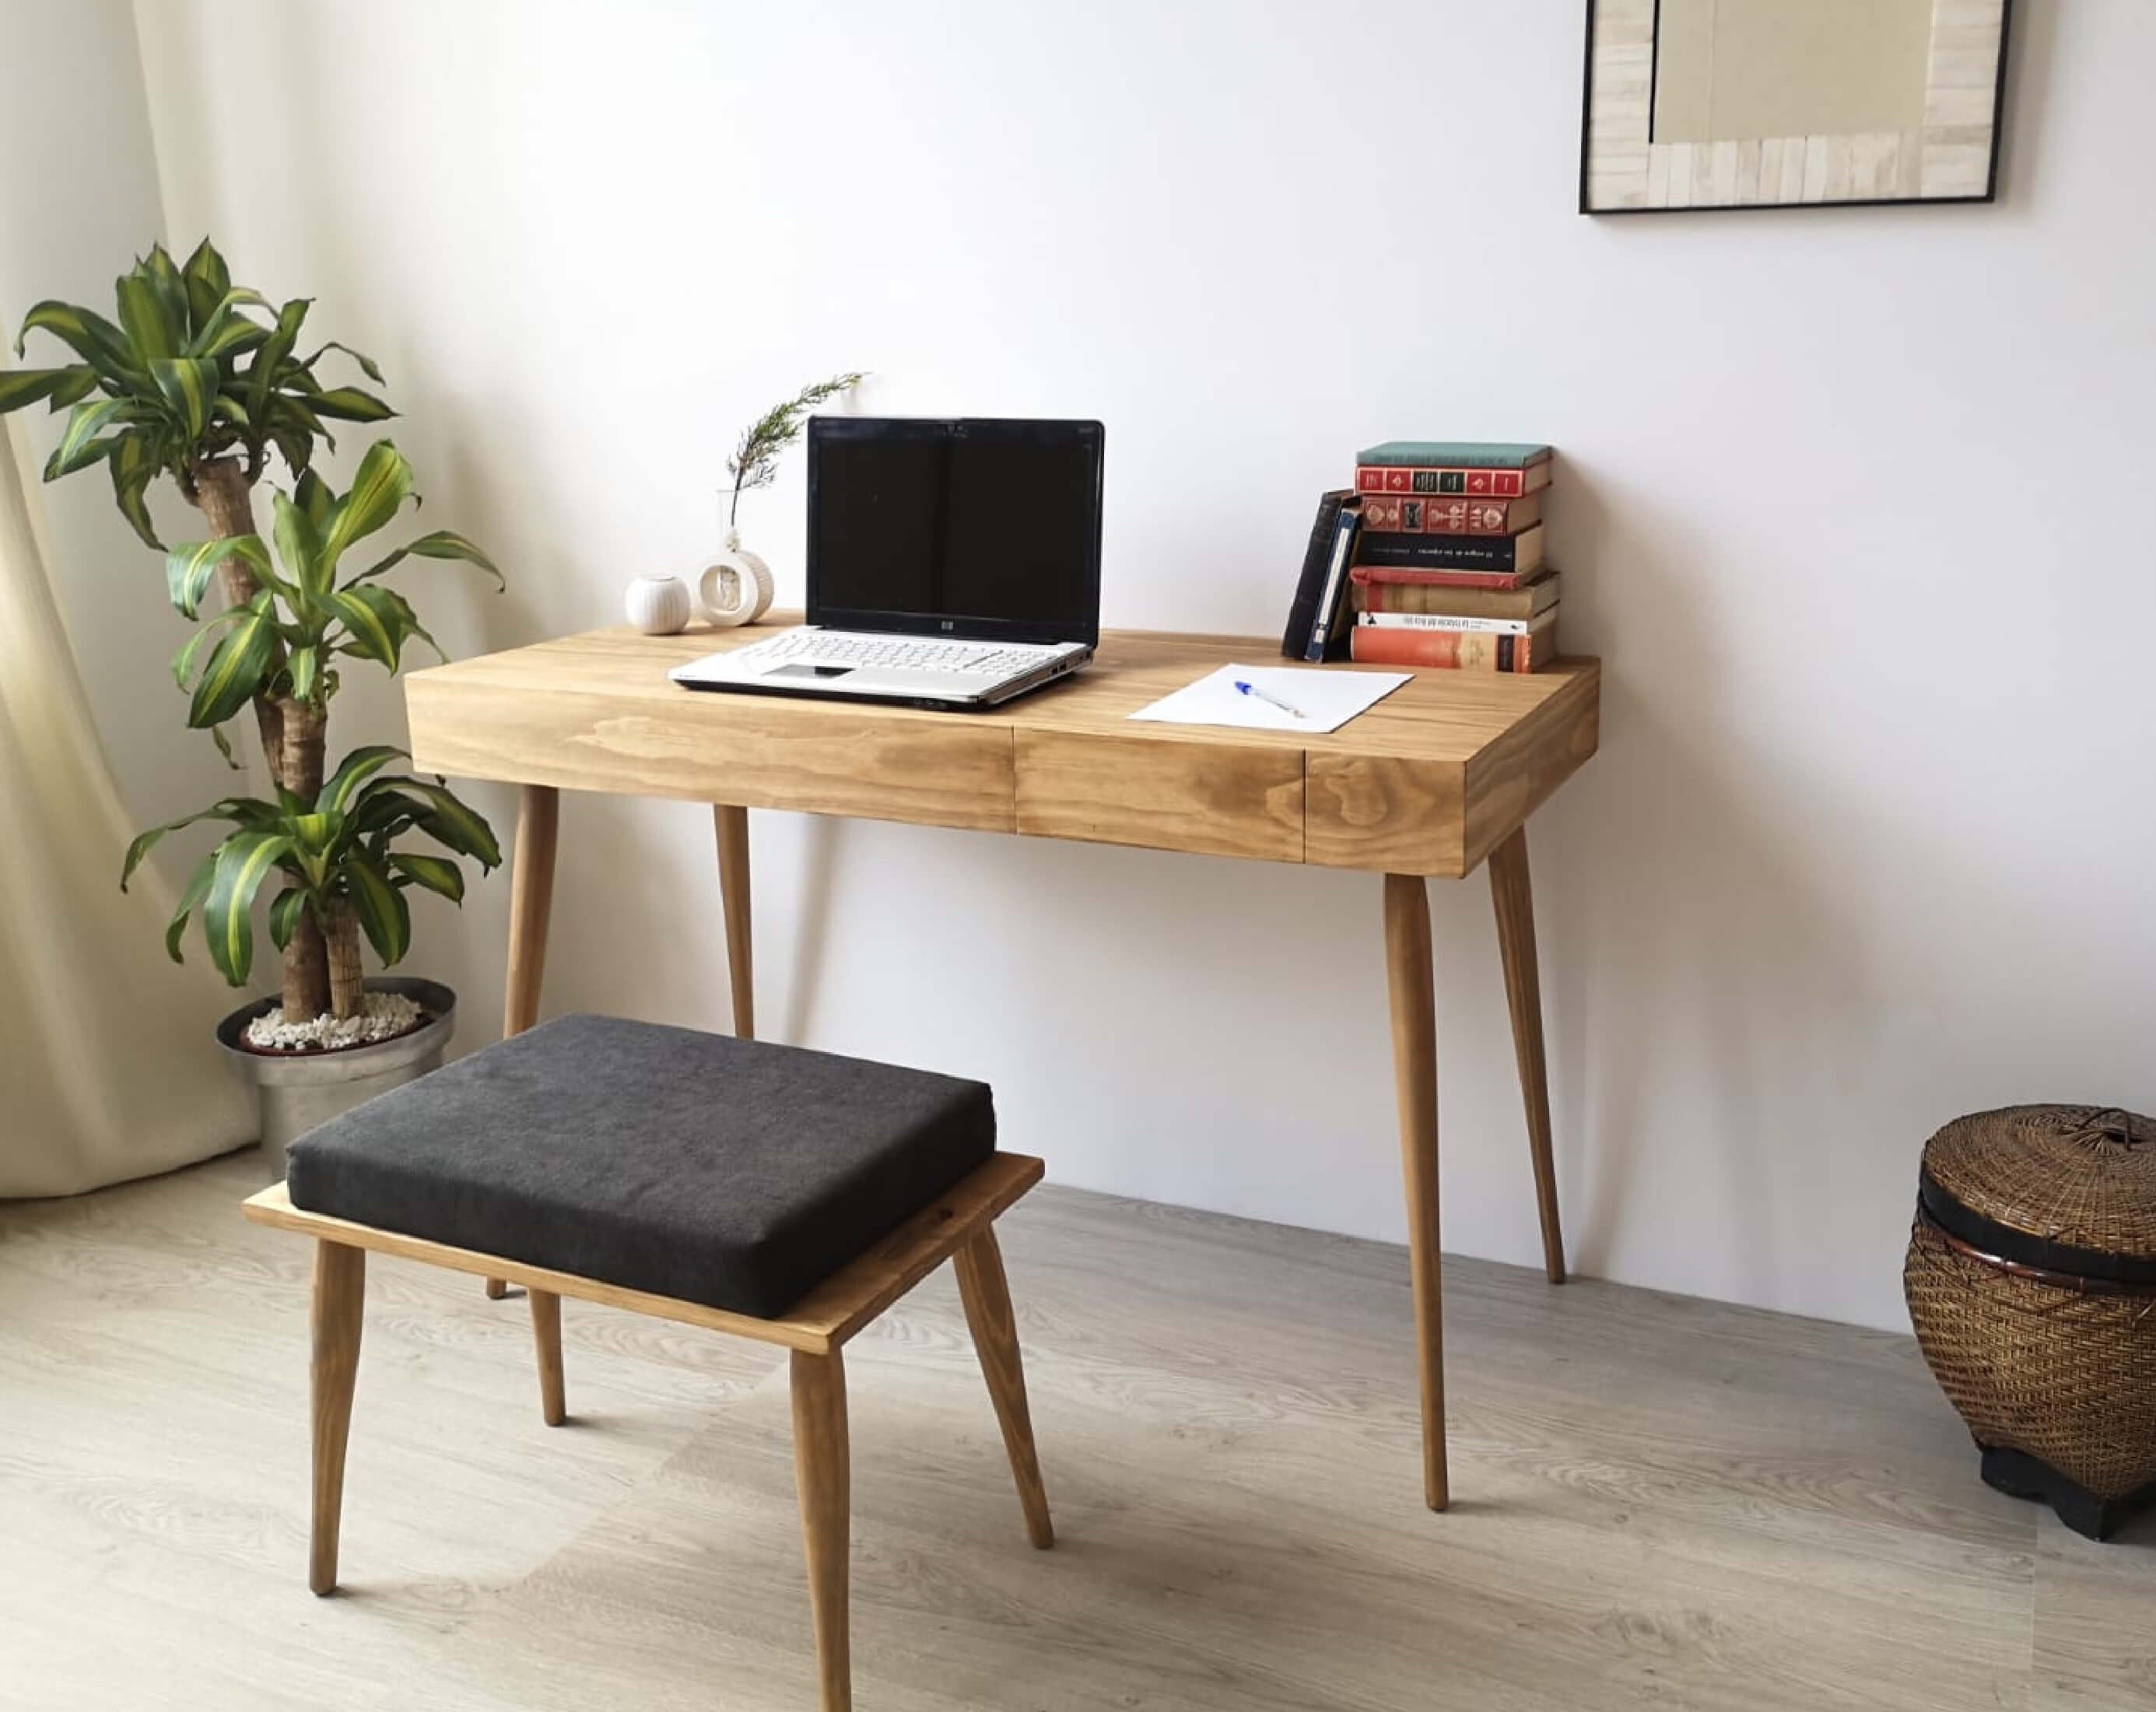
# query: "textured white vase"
735,588
658,606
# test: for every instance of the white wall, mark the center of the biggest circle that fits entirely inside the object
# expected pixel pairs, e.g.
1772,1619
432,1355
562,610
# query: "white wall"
79,200
1854,503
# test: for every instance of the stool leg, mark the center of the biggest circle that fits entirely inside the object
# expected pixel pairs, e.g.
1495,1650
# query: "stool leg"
547,1338
986,1293
340,1290
823,1480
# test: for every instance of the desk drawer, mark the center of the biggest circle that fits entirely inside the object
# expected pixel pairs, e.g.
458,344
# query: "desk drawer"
1212,799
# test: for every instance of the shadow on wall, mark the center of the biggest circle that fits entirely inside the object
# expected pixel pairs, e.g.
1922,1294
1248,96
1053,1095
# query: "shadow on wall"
1684,930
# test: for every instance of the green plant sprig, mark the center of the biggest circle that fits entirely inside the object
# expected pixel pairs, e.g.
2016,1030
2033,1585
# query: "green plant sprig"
755,461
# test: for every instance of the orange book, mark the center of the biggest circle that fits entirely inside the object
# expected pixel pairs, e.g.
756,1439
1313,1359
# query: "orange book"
1460,651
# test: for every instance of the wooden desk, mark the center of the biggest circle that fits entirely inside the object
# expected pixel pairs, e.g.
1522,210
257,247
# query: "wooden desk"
1441,774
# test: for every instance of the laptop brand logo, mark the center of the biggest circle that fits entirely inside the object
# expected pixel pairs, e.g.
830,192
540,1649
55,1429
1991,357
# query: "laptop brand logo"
950,624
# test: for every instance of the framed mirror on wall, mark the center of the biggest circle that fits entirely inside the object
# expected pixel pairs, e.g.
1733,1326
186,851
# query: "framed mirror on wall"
1722,103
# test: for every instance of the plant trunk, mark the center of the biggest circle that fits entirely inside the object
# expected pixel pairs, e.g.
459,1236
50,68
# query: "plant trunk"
347,985
303,729
220,493
306,971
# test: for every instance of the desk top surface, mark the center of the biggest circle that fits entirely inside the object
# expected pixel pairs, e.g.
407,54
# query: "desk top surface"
597,712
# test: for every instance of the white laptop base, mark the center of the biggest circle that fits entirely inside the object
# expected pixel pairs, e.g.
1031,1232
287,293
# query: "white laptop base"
926,670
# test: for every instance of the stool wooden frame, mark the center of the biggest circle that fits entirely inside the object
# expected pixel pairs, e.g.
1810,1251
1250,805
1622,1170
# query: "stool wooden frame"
958,1227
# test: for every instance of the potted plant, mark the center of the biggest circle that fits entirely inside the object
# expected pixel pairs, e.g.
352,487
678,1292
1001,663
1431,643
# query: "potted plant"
190,383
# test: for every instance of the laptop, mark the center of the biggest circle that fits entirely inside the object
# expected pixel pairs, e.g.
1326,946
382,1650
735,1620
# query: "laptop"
953,564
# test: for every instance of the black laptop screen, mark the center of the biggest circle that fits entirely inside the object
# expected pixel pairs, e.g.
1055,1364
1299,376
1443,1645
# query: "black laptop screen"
975,527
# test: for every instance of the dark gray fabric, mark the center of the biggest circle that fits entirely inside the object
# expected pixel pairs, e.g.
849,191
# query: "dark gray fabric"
728,1172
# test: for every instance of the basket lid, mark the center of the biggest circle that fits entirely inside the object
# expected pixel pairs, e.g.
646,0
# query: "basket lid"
2071,1188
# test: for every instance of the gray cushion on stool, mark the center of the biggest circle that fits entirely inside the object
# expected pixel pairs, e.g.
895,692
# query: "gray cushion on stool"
731,1173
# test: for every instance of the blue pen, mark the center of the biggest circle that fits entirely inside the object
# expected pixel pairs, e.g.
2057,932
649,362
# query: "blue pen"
1284,706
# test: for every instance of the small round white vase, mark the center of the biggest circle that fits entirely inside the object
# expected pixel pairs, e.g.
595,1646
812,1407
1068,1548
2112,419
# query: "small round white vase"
735,588
658,606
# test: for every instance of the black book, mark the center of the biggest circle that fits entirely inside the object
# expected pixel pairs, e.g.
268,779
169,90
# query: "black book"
1318,578
1517,554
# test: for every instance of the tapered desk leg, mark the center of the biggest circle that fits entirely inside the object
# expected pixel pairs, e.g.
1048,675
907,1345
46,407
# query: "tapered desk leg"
1414,1075
823,1482
732,825
339,1293
531,904
1514,897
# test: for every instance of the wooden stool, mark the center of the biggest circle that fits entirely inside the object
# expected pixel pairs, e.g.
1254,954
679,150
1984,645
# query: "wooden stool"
430,1152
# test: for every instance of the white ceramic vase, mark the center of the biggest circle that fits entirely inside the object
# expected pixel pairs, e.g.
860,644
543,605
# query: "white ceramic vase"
735,588
658,606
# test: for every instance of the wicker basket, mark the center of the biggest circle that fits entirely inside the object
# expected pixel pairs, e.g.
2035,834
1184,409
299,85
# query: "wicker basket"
2031,1280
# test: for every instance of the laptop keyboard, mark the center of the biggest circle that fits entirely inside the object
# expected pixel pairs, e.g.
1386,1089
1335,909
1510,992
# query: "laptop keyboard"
915,653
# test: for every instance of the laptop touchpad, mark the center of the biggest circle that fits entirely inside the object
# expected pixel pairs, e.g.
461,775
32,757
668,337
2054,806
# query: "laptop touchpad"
802,668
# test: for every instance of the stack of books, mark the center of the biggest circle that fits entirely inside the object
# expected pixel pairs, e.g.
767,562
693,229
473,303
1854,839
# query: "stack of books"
1433,558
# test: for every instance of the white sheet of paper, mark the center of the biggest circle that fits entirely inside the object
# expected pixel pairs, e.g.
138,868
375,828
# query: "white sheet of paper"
1327,700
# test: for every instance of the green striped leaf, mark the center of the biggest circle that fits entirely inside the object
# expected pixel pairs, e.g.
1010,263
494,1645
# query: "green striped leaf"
81,381
435,873
368,633
269,356
383,915
87,333
315,831
443,543
361,765
243,862
188,568
305,666
134,466
80,445
241,811
231,336
349,404
449,822
189,386
209,278
367,366
285,911
191,896
183,662
236,671
170,284
300,545
383,480
316,500
27,386
146,317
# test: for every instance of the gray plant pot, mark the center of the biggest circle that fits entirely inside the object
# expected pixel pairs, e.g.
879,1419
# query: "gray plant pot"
296,1090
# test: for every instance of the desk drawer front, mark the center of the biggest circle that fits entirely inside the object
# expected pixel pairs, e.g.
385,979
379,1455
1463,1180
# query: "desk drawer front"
817,758
1216,799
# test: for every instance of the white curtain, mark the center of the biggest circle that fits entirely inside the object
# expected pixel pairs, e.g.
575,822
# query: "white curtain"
108,1068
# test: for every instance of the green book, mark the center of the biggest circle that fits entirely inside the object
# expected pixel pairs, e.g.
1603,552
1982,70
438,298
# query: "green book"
1455,455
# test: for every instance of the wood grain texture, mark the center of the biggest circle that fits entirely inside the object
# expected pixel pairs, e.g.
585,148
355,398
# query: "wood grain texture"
1413,997
986,1294
818,1323
1663,1502
337,1316
1211,799
1512,893
546,1344
730,822
597,712
823,1480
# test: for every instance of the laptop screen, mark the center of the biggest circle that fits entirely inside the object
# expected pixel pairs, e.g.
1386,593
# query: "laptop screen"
978,527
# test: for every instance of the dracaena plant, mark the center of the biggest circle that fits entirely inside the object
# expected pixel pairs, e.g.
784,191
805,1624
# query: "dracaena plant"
338,856
332,838
197,379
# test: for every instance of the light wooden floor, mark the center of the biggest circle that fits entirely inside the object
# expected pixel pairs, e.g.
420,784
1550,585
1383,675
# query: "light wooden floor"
1661,1502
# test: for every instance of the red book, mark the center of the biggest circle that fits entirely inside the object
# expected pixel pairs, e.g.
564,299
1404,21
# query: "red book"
1452,514
1461,650
1363,576
1474,484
